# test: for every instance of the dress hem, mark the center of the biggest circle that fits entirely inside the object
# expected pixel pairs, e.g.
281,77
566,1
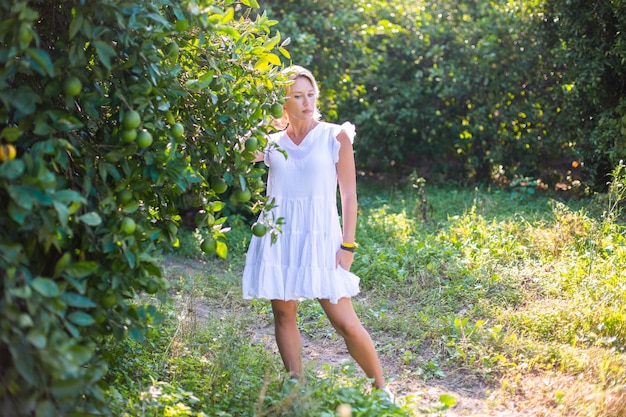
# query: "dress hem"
299,299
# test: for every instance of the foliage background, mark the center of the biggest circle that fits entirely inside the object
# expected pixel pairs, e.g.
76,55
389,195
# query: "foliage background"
470,91
83,205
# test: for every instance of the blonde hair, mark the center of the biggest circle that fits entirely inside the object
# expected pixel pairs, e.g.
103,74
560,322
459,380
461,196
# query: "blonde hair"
293,73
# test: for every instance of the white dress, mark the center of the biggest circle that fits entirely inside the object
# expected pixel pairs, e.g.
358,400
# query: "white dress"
301,263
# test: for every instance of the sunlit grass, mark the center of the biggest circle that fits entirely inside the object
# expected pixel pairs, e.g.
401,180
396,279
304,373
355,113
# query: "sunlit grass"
486,284
503,285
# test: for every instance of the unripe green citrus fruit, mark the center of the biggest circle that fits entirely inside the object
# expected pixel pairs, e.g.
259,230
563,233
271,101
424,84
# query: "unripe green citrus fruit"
277,110
242,195
144,139
251,144
259,229
109,299
132,120
128,135
128,225
208,245
177,130
124,196
72,86
219,185
99,316
152,287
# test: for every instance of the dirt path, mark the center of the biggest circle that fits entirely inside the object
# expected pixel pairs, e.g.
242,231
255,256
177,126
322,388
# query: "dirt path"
473,398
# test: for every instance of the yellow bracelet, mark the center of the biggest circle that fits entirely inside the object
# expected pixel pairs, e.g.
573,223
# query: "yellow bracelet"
349,245
348,248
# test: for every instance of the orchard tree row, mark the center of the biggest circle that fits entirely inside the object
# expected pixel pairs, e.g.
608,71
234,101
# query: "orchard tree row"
116,117
471,91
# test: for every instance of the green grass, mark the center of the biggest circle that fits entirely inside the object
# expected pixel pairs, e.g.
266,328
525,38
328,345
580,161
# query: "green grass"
486,283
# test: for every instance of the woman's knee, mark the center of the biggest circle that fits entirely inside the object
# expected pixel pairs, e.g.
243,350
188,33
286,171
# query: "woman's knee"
349,329
284,311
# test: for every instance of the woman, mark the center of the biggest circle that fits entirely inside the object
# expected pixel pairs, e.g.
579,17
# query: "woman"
312,256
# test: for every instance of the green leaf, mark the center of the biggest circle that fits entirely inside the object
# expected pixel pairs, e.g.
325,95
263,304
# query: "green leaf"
105,53
218,206
91,219
221,249
21,292
152,269
80,318
10,251
17,213
26,196
12,170
272,42
67,388
62,212
10,134
76,24
24,319
251,3
228,16
284,52
42,61
61,264
447,400
46,409
274,59
42,128
67,123
81,269
72,329
37,338
24,363
130,257
137,334
45,287
77,300
131,207
262,64
230,31
81,354
23,98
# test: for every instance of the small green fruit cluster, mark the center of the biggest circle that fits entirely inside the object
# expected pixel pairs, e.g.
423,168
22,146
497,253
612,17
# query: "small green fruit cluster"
130,122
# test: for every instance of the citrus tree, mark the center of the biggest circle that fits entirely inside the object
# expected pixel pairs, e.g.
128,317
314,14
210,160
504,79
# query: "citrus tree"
116,116
588,42
469,91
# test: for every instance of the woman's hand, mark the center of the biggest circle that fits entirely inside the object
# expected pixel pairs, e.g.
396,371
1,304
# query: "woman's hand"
344,258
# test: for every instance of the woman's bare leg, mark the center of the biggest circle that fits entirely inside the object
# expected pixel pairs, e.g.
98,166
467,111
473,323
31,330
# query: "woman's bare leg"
358,340
288,335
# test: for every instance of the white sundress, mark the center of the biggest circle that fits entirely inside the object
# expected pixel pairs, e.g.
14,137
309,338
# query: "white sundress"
301,263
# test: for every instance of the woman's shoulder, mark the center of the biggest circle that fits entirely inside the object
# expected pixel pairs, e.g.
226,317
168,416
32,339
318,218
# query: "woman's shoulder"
275,136
334,129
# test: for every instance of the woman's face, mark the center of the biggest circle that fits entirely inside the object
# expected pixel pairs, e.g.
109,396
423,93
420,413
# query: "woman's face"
301,100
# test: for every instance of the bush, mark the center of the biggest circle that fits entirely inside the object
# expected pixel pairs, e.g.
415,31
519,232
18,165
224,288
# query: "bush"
450,90
466,91
116,116
589,48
